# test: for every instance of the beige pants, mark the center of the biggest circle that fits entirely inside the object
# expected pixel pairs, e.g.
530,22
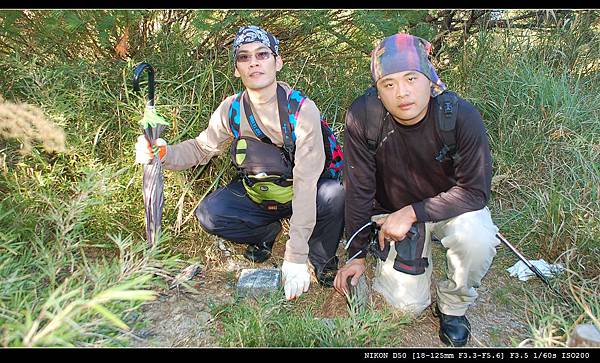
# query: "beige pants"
470,242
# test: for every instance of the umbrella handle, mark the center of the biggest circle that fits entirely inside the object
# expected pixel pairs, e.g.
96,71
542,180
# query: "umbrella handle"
148,134
137,72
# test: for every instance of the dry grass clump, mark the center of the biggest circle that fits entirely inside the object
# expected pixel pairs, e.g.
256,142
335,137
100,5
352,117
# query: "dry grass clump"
27,123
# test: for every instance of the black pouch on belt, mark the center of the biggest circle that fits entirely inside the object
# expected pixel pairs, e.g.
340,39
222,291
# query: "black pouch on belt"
409,251
265,171
374,245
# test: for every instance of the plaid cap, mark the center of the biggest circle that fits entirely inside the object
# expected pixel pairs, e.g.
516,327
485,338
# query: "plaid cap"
404,52
253,33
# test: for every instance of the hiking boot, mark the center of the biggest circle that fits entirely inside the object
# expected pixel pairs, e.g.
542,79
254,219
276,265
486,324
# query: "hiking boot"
326,278
260,252
454,330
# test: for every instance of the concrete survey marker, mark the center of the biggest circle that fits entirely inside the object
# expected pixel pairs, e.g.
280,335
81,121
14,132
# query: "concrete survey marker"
258,281
358,297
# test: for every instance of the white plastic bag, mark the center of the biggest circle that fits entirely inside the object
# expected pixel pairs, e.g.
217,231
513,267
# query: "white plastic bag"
523,272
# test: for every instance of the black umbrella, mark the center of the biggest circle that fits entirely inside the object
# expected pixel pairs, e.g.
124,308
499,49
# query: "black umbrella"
152,180
533,269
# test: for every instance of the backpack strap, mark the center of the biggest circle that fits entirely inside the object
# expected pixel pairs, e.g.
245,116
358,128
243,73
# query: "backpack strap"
446,110
234,116
287,118
252,120
289,108
374,115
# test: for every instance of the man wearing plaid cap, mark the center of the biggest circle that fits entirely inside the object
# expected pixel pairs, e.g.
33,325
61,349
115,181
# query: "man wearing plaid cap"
401,179
316,205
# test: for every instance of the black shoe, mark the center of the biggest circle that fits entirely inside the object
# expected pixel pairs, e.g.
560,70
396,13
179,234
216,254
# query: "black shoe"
260,252
326,278
454,330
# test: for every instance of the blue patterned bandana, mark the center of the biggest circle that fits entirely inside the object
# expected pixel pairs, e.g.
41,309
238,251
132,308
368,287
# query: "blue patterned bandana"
253,33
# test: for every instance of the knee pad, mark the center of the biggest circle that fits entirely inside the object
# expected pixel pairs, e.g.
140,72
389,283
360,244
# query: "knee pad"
411,294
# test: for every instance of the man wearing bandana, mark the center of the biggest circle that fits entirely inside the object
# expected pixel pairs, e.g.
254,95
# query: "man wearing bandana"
316,210
403,181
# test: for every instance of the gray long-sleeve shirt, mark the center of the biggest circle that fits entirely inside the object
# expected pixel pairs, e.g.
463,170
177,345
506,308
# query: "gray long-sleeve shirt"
404,170
309,159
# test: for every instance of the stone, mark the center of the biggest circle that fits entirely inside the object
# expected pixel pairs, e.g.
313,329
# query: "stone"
203,317
255,281
186,274
358,298
144,333
328,323
223,248
584,335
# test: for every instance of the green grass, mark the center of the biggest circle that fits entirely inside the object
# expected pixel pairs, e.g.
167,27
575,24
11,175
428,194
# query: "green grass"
271,321
496,336
543,124
66,280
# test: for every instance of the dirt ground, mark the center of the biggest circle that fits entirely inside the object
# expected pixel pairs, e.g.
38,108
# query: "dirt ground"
181,317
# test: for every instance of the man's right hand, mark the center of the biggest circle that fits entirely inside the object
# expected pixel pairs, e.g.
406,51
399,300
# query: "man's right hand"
144,153
354,269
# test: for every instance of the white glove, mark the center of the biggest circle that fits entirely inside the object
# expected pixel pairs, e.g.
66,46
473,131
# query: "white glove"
296,279
144,153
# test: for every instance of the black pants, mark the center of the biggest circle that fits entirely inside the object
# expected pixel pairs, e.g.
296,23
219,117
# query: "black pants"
230,214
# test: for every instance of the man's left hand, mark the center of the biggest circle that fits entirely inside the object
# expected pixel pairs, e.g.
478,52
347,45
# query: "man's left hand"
396,225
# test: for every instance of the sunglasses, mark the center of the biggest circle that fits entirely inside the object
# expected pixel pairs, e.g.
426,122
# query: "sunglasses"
246,57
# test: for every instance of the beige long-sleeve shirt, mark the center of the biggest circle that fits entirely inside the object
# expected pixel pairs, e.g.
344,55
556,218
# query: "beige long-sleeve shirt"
308,160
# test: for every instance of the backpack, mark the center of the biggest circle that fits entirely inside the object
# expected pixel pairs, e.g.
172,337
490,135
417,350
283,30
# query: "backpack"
446,109
289,107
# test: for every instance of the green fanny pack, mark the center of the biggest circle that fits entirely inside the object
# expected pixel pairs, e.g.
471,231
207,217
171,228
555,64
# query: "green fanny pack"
266,173
267,190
